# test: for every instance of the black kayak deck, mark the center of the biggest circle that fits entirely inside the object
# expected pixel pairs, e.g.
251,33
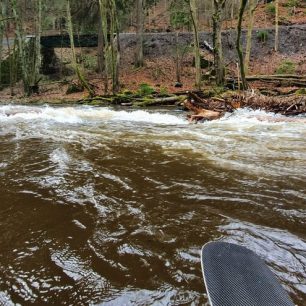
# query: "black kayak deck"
236,276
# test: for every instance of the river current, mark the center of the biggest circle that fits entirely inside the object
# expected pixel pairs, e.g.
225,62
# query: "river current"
100,206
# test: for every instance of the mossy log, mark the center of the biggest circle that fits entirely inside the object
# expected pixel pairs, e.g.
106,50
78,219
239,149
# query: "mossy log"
133,100
159,101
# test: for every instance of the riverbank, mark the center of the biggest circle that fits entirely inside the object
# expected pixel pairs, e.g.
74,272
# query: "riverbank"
202,105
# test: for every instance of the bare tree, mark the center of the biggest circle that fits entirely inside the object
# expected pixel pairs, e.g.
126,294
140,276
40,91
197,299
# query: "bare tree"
2,26
217,40
252,8
276,25
195,25
74,60
140,5
109,26
239,46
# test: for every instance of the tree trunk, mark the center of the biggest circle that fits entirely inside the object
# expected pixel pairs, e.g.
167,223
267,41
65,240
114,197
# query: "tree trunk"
217,41
276,25
2,26
193,14
101,59
177,59
35,55
21,46
252,8
139,33
115,47
109,26
74,61
239,46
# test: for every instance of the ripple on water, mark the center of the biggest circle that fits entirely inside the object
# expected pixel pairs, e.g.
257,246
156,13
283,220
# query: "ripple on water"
163,296
5,299
284,252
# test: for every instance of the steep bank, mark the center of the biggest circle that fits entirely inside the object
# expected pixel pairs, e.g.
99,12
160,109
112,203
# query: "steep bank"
292,41
160,66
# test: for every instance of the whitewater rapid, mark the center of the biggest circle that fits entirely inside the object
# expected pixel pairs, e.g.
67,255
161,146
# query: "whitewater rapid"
244,140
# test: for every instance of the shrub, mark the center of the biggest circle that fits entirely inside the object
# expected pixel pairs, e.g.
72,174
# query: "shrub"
262,36
292,3
74,88
286,67
163,91
270,8
145,89
89,62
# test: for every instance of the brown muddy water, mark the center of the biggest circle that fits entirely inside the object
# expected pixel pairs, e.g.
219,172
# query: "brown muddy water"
110,207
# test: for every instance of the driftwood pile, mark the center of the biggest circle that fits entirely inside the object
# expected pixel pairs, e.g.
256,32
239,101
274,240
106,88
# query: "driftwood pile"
215,107
286,105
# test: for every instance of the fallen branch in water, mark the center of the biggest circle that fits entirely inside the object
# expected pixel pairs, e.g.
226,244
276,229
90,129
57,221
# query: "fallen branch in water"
201,110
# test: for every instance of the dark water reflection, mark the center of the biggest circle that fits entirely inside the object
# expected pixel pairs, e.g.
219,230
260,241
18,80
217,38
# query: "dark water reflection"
112,208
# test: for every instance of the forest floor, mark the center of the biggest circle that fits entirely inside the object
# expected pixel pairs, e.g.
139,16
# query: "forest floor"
290,13
159,73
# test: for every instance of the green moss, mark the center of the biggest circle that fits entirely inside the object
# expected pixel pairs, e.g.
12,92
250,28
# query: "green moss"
145,90
146,101
292,3
301,92
286,67
163,91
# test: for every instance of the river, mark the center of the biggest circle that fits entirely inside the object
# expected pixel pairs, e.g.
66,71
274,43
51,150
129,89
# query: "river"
102,206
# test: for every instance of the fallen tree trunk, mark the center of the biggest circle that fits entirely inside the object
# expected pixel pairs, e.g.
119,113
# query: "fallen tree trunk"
290,80
158,101
132,100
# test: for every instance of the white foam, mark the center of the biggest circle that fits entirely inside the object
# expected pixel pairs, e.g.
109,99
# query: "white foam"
81,114
60,157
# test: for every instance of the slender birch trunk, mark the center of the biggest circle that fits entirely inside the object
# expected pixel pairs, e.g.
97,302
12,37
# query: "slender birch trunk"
193,14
